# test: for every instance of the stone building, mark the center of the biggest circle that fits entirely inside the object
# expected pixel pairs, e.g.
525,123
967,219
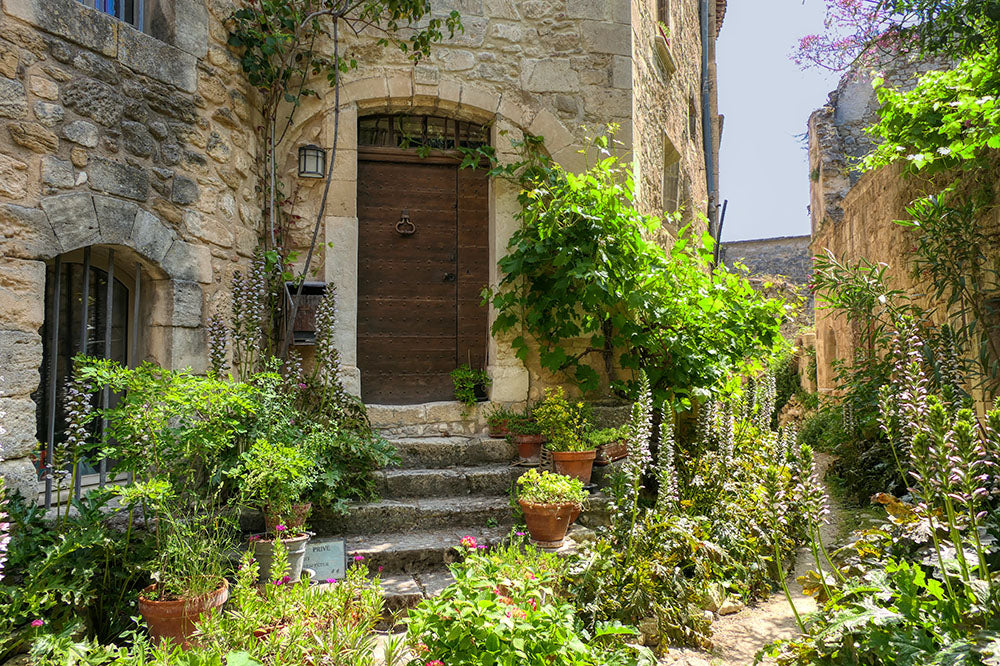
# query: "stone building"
853,215
129,180
787,256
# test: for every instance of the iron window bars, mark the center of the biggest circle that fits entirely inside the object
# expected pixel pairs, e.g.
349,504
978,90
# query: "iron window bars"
127,11
420,131
89,310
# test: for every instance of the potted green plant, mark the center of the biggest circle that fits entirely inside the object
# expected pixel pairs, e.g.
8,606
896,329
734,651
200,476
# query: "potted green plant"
611,444
470,385
550,502
527,435
273,479
190,562
564,426
498,419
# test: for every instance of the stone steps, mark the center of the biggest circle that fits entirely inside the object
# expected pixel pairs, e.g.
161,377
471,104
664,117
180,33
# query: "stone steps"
432,419
392,515
490,479
441,452
415,552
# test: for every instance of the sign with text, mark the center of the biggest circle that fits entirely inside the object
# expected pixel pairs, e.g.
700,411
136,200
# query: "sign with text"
326,557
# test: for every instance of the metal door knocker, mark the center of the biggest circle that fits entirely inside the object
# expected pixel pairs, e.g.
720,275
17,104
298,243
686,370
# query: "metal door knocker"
404,227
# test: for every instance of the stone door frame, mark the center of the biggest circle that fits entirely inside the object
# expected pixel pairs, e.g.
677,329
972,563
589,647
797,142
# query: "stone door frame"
509,118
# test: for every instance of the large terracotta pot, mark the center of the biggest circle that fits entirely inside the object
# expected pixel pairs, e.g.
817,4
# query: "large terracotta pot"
529,447
175,619
293,520
577,464
263,552
548,523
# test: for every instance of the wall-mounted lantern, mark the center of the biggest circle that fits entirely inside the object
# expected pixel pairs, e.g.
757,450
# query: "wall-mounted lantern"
304,328
312,161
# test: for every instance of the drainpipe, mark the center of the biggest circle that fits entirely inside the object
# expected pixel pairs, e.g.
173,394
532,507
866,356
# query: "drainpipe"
706,120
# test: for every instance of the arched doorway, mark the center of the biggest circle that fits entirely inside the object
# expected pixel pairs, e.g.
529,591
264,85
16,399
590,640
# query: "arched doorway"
423,257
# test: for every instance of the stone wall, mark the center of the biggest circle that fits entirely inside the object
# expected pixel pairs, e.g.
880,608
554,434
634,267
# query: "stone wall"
114,138
787,256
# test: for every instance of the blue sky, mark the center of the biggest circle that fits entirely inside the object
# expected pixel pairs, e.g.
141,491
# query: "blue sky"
767,99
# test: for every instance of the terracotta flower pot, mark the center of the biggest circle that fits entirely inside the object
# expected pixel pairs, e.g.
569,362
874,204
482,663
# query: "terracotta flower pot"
529,447
548,523
577,464
499,430
294,519
175,619
262,550
608,453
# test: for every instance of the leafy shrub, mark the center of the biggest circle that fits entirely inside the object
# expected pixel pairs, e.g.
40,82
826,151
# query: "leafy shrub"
563,424
272,477
506,608
345,459
466,382
523,424
596,438
548,488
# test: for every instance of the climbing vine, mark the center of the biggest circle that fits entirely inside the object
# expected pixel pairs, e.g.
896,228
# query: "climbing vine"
287,45
586,285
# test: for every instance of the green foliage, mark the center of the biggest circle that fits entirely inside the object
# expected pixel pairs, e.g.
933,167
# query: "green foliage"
950,27
950,119
596,438
498,415
549,488
272,477
823,430
279,625
74,574
563,424
581,272
467,381
787,381
523,424
345,459
506,608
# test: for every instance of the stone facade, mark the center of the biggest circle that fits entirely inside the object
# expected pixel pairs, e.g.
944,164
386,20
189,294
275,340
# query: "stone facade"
561,69
854,216
144,142
113,138
787,256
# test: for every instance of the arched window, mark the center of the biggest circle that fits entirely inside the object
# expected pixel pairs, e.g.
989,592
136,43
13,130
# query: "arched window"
420,132
91,307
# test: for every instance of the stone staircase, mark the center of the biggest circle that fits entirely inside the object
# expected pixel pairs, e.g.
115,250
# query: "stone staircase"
452,481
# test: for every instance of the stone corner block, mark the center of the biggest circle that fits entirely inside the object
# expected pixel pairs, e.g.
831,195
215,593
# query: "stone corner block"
70,20
185,261
147,55
177,303
73,219
547,126
510,383
150,237
191,27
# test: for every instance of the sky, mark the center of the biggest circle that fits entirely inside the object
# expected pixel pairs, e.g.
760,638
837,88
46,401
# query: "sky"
766,100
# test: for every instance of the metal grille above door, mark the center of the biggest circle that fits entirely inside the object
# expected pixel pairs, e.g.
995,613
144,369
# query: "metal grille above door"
422,262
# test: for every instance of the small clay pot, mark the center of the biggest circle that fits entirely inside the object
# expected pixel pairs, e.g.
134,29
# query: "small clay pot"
548,523
293,520
175,618
529,447
608,453
577,464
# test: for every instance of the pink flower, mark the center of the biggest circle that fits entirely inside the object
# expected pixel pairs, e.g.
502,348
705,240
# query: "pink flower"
469,541
280,528
37,623
532,576
331,581
302,386
435,662
518,533
359,558
380,569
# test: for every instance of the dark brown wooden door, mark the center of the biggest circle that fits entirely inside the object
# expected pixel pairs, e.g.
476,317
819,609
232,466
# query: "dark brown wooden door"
418,294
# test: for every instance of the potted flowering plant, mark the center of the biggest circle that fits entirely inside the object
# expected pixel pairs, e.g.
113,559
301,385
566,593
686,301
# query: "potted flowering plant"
564,426
550,502
273,478
525,432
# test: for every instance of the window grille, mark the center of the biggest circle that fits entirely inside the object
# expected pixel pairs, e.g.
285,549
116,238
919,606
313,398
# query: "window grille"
420,132
91,307
128,11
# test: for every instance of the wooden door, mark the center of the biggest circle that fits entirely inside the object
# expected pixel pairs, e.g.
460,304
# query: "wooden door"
418,293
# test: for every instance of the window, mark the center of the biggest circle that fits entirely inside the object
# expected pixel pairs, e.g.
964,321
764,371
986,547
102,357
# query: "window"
129,11
671,177
90,307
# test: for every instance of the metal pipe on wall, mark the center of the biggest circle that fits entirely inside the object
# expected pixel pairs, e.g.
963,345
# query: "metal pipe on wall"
706,118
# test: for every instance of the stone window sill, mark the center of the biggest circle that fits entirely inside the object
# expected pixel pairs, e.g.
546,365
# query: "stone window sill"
663,53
